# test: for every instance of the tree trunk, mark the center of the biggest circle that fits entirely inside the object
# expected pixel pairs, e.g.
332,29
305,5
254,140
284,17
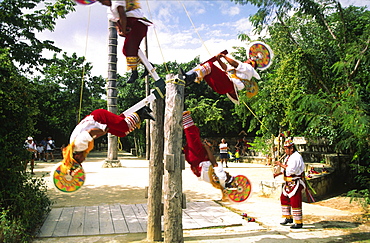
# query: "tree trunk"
112,156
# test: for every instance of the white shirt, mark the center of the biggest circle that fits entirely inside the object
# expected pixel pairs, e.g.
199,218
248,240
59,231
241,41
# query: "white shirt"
86,124
223,148
40,149
219,171
244,71
295,164
113,14
31,145
48,144
80,134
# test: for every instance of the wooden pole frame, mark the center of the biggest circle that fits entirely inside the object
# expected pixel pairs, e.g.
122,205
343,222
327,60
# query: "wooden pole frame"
155,206
173,197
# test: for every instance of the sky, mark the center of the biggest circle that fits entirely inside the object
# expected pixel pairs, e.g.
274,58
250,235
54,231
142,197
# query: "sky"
182,30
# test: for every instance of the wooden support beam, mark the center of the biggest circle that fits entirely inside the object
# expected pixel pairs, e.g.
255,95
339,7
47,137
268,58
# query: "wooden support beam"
156,171
173,178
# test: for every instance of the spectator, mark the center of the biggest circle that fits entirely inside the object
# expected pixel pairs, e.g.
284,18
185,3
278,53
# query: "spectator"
223,152
50,146
43,143
237,156
246,146
40,152
30,145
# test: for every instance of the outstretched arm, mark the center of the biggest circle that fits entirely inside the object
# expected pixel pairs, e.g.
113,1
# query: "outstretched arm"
222,64
231,61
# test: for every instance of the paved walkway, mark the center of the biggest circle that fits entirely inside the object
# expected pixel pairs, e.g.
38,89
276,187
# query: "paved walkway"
113,187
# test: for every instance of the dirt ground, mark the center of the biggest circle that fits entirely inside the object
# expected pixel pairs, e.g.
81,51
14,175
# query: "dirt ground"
126,185
345,204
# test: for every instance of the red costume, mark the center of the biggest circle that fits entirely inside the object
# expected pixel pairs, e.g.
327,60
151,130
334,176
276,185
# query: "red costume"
194,151
291,196
119,125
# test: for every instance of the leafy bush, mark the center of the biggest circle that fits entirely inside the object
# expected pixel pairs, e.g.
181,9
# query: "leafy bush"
23,200
30,204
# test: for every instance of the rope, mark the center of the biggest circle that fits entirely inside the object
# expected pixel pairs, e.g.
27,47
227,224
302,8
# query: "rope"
191,21
119,145
176,81
156,36
256,117
83,67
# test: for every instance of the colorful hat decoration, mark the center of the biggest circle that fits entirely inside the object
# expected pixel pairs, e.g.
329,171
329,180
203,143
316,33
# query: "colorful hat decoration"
288,143
85,2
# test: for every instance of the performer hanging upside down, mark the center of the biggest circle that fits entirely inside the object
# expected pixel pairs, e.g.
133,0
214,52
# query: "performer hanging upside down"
98,123
226,81
291,197
131,24
201,159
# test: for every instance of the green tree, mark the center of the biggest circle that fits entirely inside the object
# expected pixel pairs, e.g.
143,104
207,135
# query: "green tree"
19,21
318,85
66,83
23,200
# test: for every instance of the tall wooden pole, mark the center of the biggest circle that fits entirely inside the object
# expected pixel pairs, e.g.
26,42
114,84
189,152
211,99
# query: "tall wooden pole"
173,131
155,206
112,93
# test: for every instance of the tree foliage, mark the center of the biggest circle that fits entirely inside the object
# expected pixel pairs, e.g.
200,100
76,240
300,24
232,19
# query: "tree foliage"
66,92
318,85
19,21
23,200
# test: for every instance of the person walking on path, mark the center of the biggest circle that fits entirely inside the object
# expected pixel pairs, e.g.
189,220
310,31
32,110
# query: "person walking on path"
223,152
291,196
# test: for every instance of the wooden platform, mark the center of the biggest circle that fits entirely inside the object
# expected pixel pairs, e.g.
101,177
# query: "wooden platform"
119,218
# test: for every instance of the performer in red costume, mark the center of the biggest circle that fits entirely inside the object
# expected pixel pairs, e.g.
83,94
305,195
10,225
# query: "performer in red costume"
98,123
226,80
201,159
131,24
291,197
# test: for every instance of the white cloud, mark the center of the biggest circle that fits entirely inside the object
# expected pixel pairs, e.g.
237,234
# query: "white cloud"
346,3
227,9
